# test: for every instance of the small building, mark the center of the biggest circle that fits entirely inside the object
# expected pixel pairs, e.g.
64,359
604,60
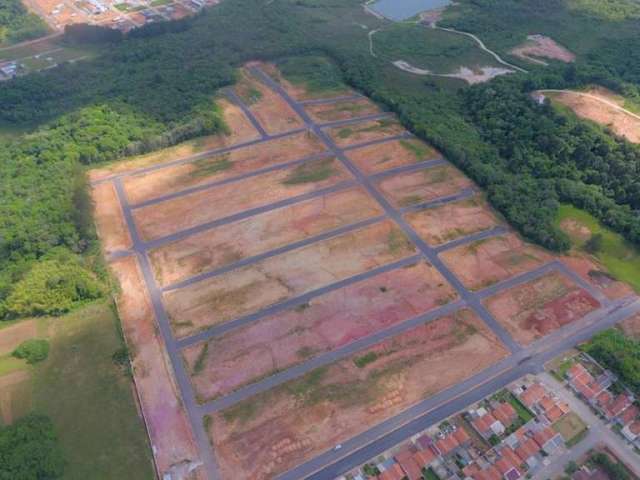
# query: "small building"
487,425
392,472
632,431
505,414
406,460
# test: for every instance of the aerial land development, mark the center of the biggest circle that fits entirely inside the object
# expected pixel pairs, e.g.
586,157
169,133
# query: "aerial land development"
312,273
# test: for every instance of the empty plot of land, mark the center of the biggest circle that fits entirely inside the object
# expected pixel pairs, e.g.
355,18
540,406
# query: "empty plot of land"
15,396
240,130
453,220
220,167
485,262
408,189
249,289
269,433
537,308
273,113
365,131
327,322
329,112
196,208
596,275
397,153
232,242
539,46
166,421
109,219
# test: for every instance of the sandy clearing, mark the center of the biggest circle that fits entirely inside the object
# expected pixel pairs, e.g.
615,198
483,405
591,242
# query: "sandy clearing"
486,262
272,432
196,208
365,131
330,112
537,308
397,153
232,242
453,220
595,274
254,287
109,219
223,166
471,76
408,189
338,318
540,46
240,131
11,337
170,433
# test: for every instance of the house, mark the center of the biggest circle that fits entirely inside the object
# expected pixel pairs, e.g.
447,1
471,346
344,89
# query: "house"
556,412
505,414
487,425
528,451
424,458
408,463
392,472
445,445
489,473
548,439
618,405
632,431
629,415
532,395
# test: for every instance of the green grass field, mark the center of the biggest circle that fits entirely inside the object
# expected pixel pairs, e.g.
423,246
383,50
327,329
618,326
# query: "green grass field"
620,258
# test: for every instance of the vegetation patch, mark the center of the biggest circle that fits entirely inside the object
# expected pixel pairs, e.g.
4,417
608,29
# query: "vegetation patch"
33,351
364,360
316,74
208,166
202,357
311,172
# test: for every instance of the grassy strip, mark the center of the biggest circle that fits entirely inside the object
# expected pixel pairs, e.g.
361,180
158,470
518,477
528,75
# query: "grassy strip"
311,172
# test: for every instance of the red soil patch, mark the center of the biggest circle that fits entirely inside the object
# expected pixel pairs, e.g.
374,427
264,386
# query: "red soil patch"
453,220
169,431
383,156
232,242
537,308
540,46
252,288
274,431
271,110
413,188
597,276
485,262
220,167
109,219
11,337
365,131
330,112
338,318
194,209
240,130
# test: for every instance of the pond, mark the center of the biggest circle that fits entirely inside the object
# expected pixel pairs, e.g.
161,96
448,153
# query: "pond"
399,10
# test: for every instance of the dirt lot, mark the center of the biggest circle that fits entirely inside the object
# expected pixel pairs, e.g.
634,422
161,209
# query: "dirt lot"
193,209
169,431
256,286
11,337
535,309
597,276
229,243
272,112
330,112
325,323
486,262
539,46
593,106
240,130
383,156
271,432
365,131
109,219
631,326
413,188
220,167
453,220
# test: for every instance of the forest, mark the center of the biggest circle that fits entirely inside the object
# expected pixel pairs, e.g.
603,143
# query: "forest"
18,24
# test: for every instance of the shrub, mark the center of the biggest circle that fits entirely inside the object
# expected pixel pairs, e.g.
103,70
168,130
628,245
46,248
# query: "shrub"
33,351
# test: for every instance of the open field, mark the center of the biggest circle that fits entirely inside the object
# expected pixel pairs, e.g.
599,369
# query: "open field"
109,219
365,131
538,47
240,130
453,220
220,167
229,243
268,433
323,324
195,208
166,420
593,105
537,308
397,153
486,262
408,189
270,109
620,258
254,287
15,395
571,426
330,112
14,335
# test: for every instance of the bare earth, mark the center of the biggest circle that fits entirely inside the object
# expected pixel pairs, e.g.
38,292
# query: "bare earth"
252,288
364,132
271,432
383,156
109,218
229,243
539,46
11,337
325,323
329,112
15,396
596,275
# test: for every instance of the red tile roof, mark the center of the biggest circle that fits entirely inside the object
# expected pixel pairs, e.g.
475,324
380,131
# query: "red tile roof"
483,424
527,449
629,415
461,435
505,413
543,436
554,413
446,444
635,427
408,463
394,472
618,405
489,473
503,465
576,370
604,398
532,394
508,454
547,403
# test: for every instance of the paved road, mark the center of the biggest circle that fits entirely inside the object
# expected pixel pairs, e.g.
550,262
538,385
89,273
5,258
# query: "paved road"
233,96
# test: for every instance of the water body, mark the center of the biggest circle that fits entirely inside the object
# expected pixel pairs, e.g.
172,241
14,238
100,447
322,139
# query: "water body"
399,10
